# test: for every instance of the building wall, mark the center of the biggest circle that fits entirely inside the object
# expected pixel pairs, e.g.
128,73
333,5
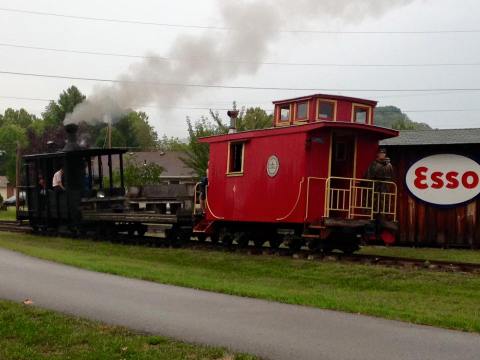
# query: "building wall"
429,225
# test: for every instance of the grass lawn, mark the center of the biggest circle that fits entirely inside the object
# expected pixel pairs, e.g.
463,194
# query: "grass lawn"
466,256
450,300
30,333
9,214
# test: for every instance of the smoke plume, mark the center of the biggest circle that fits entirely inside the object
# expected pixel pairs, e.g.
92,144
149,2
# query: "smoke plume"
255,25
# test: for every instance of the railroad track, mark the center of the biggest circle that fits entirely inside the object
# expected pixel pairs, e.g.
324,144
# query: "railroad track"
14,226
390,261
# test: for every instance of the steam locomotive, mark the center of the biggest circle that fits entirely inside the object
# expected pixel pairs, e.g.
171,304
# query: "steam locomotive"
300,182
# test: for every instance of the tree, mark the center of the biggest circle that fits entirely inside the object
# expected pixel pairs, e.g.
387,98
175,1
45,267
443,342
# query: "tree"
56,111
117,138
197,154
10,135
171,143
254,118
393,117
136,131
20,117
135,174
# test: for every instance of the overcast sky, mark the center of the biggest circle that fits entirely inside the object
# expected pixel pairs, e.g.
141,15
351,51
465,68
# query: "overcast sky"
96,36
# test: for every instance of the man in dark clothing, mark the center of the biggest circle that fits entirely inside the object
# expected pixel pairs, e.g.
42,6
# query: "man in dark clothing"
380,169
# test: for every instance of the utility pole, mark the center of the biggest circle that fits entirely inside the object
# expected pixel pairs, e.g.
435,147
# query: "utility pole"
110,133
17,178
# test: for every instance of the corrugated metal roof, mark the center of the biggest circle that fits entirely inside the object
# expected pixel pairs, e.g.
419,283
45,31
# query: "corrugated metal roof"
434,137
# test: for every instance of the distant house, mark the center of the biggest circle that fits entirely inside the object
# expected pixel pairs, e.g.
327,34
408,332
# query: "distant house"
6,189
175,170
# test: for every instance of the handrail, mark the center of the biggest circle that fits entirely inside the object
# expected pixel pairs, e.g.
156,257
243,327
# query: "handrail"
296,202
195,197
207,204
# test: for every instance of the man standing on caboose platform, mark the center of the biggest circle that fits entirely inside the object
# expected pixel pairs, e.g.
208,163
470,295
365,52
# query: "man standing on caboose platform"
381,172
380,169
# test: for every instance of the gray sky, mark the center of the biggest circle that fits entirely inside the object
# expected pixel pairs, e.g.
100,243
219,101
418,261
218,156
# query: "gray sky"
418,15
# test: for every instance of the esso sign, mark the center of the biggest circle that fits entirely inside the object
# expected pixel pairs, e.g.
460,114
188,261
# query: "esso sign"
444,179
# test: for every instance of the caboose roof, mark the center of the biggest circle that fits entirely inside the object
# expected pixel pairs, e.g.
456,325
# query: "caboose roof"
382,133
328,97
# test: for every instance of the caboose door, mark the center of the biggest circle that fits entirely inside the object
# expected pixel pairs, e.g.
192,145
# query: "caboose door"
343,156
342,170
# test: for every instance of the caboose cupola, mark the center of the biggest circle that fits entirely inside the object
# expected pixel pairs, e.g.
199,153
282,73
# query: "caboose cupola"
321,107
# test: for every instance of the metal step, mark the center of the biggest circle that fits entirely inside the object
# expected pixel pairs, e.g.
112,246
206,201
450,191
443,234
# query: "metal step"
311,236
202,227
317,227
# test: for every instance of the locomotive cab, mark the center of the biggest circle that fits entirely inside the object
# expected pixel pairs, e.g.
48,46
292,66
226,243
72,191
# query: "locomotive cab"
303,180
86,187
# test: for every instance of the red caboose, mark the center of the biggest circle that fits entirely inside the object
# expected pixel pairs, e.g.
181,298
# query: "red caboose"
301,181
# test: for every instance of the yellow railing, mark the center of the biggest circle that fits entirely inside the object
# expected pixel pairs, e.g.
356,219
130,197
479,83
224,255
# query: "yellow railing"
196,193
360,198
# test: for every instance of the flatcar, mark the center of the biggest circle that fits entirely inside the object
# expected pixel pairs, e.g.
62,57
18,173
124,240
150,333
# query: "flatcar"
301,182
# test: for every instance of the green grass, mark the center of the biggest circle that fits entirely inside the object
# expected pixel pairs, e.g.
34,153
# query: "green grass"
29,333
453,255
9,214
450,300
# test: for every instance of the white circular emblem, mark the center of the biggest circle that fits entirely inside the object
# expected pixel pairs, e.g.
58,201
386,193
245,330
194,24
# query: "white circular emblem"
272,166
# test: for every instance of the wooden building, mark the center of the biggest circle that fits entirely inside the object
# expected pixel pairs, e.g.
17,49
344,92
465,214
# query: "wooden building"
444,165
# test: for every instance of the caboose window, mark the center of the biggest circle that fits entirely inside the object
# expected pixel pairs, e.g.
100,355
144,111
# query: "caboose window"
301,113
361,114
285,113
326,110
235,158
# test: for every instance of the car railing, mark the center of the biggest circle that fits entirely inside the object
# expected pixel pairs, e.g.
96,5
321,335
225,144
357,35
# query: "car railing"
354,198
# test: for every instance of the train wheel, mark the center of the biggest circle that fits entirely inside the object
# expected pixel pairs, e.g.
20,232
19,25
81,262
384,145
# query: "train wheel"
73,231
201,238
275,242
226,238
259,243
242,239
295,243
314,245
214,238
348,243
131,231
142,230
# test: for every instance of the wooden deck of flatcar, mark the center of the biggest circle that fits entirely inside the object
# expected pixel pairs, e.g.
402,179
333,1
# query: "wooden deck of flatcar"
130,217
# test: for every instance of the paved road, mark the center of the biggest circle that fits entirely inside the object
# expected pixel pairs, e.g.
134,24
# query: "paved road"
271,330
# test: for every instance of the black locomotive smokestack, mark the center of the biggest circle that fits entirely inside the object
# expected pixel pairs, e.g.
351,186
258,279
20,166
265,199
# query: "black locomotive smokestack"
233,115
72,144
